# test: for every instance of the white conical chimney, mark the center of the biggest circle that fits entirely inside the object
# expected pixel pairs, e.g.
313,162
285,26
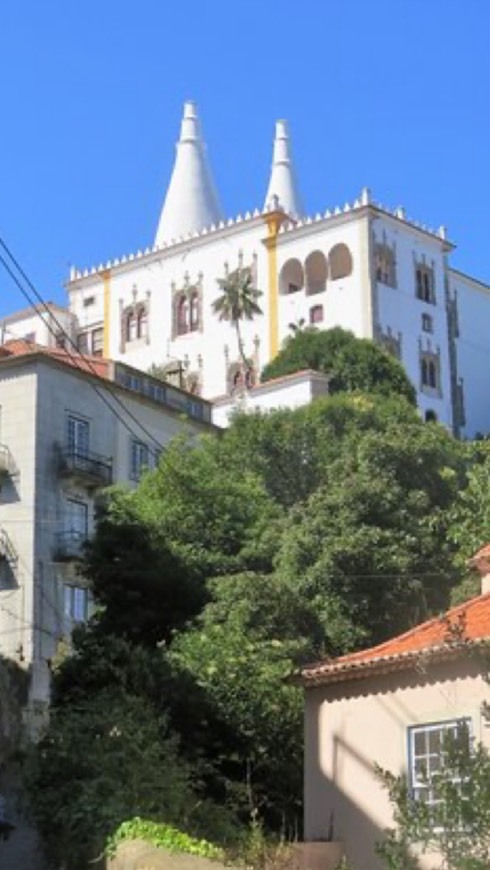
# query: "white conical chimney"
191,202
282,182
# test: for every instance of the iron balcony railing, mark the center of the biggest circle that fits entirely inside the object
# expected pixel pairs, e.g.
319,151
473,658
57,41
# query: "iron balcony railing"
6,461
69,546
90,467
7,550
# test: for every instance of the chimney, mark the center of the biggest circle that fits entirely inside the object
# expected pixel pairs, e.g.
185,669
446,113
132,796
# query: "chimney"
481,563
282,183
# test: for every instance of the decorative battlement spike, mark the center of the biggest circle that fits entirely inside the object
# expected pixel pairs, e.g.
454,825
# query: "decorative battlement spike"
365,196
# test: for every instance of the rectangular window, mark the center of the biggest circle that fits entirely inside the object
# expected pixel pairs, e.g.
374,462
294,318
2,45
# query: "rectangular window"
430,374
76,520
424,281
89,300
30,336
82,342
77,436
76,603
316,314
426,748
427,323
139,459
97,341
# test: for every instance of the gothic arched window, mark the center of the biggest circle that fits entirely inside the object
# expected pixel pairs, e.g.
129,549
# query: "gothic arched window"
142,329
182,315
194,311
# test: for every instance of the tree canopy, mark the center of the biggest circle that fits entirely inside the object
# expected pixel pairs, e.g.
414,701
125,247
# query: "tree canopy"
352,364
290,535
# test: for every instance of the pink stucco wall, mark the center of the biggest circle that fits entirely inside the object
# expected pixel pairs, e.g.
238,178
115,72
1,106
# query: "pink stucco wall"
351,725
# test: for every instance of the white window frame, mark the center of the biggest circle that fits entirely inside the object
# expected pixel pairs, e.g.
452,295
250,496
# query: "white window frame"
431,758
75,602
139,459
77,435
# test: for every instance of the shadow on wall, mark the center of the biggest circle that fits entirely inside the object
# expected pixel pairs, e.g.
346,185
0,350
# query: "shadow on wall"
19,843
343,800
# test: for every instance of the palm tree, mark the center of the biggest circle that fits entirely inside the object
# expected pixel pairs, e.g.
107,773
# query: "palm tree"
238,301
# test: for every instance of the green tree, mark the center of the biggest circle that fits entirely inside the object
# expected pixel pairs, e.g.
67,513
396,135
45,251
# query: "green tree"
238,301
352,364
104,759
456,823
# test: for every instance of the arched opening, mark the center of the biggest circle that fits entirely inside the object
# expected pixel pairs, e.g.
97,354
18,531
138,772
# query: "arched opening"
430,416
142,322
292,277
194,312
340,262
316,270
182,315
131,328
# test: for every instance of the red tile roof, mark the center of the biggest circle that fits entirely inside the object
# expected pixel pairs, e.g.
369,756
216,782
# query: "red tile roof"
468,623
94,365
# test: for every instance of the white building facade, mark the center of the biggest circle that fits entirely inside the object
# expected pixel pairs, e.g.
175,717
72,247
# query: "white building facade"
362,267
61,443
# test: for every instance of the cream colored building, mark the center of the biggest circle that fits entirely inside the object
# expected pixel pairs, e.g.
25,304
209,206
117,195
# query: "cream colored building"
68,428
390,705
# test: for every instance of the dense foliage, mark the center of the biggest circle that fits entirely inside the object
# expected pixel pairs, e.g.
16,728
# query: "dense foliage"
289,536
351,363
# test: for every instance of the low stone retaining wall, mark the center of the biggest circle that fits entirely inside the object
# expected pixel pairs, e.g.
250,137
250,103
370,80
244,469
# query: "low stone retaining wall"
138,855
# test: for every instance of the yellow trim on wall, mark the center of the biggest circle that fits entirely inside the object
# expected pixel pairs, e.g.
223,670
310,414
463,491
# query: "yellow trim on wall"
273,221
107,310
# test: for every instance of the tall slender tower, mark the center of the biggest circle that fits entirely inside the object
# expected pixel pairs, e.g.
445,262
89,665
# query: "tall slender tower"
191,202
282,182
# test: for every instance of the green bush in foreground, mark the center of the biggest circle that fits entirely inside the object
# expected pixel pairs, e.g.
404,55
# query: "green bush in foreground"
163,836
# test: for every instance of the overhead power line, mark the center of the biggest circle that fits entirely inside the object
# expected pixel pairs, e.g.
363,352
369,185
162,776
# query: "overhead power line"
41,308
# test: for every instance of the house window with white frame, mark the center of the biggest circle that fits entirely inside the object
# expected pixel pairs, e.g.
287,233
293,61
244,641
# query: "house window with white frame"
77,436
140,457
427,745
75,602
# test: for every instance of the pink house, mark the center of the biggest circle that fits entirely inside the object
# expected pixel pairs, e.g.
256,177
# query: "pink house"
390,705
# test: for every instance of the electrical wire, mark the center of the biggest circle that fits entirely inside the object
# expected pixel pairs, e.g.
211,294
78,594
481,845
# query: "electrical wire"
42,306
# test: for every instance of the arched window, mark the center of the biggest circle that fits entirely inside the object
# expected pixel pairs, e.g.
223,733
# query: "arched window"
430,416
131,328
142,322
385,265
182,315
340,262
292,277
194,312
316,272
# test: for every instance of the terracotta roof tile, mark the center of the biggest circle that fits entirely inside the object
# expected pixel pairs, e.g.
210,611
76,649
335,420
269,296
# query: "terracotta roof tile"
468,622
95,365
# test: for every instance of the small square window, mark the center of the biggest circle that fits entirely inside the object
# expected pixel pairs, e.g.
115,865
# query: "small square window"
316,314
89,300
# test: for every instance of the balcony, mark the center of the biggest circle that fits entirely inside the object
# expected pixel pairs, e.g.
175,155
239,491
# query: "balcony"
69,546
7,465
84,468
7,551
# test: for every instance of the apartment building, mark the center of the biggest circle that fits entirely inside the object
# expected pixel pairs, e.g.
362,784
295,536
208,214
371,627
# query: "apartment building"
69,427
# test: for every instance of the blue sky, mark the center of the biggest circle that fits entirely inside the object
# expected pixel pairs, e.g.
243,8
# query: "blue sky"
392,94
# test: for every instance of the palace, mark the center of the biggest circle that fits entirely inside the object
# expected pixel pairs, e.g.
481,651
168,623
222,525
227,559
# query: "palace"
362,266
